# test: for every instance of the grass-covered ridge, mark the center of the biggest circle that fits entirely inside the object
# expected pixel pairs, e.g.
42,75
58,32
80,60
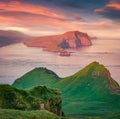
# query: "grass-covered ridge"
37,98
36,77
91,92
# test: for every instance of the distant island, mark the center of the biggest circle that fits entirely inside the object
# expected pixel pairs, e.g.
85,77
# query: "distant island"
11,37
58,43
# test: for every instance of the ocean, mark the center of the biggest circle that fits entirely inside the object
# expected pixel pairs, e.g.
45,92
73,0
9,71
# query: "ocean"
18,59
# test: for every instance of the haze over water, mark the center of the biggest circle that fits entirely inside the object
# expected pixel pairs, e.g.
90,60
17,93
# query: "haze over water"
18,59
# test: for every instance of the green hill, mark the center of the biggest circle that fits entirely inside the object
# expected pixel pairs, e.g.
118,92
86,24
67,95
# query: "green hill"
90,92
37,98
36,77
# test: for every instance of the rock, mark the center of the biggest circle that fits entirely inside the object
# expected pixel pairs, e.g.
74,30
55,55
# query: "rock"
105,74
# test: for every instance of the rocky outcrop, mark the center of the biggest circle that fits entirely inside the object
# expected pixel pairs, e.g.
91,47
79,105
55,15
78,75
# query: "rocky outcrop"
68,40
105,74
77,39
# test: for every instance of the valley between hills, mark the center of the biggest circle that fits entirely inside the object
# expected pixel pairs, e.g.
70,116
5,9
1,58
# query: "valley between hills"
91,93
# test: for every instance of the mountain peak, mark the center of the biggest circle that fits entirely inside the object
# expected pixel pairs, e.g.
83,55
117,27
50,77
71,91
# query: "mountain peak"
95,69
35,77
44,69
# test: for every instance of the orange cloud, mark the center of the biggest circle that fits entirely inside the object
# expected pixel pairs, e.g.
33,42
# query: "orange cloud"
18,14
114,5
77,16
99,10
6,20
32,16
39,20
30,8
100,24
108,7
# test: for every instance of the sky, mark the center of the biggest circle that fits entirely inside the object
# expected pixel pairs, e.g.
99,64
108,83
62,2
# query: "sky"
100,18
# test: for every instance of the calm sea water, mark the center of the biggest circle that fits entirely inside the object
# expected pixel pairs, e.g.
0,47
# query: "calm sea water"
17,59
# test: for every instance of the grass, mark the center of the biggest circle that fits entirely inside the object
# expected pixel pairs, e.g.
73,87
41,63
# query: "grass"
86,94
13,98
35,77
17,114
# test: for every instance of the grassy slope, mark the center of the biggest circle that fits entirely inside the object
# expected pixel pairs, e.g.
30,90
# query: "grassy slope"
85,94
17,114
36,77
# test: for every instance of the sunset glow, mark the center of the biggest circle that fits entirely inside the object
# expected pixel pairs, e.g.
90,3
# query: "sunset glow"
16,29
39,18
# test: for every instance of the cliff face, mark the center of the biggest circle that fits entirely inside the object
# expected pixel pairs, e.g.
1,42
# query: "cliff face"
72,39
76,39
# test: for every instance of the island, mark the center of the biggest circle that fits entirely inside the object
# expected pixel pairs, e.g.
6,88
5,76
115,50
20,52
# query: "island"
58,43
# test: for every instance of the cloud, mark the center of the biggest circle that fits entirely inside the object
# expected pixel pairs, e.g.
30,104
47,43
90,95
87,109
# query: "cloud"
77,16
111,10
46,17
29,8
32,15
86,5
29,15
